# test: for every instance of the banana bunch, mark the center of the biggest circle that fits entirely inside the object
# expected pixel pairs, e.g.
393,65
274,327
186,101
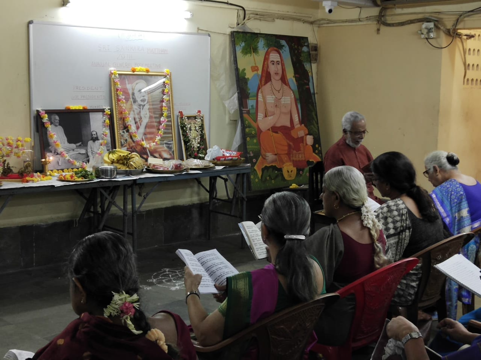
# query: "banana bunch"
124,160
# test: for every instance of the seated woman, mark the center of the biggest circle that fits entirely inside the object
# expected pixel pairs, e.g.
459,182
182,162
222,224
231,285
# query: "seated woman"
402,330
103,291
457,197
347,250
409,220
291,277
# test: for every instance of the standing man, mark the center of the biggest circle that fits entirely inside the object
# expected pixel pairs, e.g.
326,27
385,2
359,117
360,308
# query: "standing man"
348,150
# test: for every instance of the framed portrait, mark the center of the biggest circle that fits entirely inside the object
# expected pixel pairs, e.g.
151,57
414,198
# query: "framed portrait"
194,139
277,107
137,130
79,133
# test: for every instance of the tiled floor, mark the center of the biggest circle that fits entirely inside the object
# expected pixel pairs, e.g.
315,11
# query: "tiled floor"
35,306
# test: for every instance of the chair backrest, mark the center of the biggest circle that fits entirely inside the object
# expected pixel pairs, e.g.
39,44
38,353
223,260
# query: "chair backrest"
374,293
432,280
316,174
283,335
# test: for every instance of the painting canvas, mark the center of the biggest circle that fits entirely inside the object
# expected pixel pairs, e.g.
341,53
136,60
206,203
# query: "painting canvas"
145,110
79,133
278,108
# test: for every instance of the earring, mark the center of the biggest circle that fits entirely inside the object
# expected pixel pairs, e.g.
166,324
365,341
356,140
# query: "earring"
336,206
82,300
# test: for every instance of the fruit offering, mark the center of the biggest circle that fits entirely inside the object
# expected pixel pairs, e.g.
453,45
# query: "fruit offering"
124,160
81,175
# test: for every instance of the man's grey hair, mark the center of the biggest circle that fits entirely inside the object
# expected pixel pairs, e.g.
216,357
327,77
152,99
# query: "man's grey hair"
349,118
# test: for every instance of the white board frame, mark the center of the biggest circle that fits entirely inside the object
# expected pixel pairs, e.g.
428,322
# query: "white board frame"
36,95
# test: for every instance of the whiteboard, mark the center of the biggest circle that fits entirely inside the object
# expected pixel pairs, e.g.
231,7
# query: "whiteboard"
69,65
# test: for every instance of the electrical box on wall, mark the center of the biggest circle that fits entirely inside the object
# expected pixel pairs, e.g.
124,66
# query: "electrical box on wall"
427,31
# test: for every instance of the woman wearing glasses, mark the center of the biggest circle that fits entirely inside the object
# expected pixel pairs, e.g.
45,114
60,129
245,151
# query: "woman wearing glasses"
409,220
457,197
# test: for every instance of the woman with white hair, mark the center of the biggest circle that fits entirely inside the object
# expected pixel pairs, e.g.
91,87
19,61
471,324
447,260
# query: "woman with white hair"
347,250
457,197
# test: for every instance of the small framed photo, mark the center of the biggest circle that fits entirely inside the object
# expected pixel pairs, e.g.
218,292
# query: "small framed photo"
194,139
77,133
143,108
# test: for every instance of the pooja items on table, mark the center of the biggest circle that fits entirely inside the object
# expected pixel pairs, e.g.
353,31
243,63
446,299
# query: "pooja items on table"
124,160
197,164
168,165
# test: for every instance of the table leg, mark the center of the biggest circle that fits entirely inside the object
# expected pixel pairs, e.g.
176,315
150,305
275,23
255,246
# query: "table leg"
244,203
212,191
125,213
133,214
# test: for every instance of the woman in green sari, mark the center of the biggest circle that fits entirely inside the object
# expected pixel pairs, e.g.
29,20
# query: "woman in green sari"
291,277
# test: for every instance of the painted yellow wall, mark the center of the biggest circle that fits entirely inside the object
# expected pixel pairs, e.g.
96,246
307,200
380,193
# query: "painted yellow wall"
459,120
393,79
403,86
144,15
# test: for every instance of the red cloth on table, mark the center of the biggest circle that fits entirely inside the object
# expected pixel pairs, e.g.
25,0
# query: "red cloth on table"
341,153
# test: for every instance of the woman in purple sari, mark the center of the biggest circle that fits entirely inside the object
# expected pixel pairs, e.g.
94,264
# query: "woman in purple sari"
291,277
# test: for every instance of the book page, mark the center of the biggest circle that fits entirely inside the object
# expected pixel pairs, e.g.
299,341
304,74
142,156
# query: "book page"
463,272
216,266
372,205
206,285
253,237
18,355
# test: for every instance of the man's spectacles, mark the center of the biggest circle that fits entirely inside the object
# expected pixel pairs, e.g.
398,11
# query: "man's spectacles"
357,134
426,173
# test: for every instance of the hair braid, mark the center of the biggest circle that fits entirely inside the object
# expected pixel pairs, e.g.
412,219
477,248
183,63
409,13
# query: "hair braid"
369,220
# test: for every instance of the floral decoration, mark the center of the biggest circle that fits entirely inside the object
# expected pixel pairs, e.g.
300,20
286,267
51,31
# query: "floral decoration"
13,146
73,107
140,69
124,305
193,135
124,114
58,145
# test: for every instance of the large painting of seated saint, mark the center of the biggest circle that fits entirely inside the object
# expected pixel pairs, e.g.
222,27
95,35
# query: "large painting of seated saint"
278,108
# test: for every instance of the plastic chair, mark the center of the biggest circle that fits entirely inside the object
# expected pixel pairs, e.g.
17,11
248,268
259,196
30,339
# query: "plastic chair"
283,335
431,284
373,294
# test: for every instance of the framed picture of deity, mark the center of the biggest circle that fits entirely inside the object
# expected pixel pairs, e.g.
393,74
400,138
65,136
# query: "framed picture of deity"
277,108
142,110
71,138
192,132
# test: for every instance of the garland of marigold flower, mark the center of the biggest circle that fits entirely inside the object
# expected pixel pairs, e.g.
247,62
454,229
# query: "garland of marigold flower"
51,135
164,107
10,145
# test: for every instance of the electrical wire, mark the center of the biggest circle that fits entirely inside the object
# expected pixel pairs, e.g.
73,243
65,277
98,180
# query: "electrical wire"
230,4
440,47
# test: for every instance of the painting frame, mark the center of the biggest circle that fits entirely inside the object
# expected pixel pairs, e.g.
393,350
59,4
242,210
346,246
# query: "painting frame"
277,108
74,130
167,149
191,150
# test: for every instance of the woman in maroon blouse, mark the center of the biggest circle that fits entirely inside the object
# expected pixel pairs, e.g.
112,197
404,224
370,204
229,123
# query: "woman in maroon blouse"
349,249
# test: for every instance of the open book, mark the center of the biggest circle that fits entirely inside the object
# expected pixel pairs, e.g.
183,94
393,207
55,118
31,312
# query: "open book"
253,237
463,272
211,265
